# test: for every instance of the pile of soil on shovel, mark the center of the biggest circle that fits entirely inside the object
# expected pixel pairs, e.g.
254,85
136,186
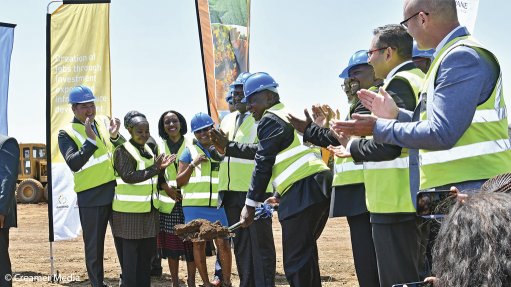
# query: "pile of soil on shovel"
201,230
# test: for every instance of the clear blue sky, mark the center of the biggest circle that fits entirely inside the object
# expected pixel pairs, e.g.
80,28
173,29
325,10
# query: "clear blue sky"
156,61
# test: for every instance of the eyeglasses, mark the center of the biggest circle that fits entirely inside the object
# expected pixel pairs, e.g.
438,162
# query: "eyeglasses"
404,22
371,52
203,130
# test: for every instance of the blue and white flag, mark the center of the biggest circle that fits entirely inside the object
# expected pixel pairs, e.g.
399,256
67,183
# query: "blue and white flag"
6,42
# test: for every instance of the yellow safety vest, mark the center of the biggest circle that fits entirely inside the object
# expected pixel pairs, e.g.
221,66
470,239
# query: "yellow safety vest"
296,161
483,151
202,188
136,197
236,173
99,168
387,183
166,202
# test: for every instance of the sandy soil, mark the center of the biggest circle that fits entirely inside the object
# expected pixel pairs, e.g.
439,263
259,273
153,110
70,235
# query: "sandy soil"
30,255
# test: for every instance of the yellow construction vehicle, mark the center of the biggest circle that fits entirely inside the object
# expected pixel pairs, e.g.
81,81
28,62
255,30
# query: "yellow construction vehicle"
32,174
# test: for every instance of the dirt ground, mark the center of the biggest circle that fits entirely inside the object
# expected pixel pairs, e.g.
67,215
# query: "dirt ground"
30,255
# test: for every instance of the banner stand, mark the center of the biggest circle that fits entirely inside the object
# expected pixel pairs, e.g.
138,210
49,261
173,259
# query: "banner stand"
54,276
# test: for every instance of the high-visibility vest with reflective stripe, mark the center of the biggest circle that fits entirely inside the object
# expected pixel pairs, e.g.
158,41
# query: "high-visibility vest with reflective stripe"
387,183
99,168
202,188
167,203
236,173
483,151
346,172
136,197
296,161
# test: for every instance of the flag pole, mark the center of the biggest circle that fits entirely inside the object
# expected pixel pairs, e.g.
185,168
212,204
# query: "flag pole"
54,277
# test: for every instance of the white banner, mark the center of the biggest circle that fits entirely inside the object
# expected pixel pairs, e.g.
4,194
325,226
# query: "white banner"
467,13
6,43
79,55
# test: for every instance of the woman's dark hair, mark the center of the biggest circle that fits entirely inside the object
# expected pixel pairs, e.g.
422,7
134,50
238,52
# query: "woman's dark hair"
131,118
473,247
161,126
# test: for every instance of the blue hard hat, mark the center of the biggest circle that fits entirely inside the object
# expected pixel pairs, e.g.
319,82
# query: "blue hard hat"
359,58
258,82
200,121
228,96
422,53
81,94
240,80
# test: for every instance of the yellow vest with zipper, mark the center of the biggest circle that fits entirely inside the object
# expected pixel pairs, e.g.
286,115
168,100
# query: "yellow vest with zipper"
99,168
483,151
387,183
202,187
236,173
136,197
296,161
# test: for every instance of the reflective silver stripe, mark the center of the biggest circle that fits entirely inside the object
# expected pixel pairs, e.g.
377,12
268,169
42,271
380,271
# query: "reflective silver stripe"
200,195
347,166
94,161
145,182
466,151
194,154
171,182
238,160
291,152
166,199
400,162
483,116
79,136
293,168
133,198
197,179
498,96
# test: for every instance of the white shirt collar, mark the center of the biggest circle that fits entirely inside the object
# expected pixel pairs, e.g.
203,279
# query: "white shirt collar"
394,71
444,40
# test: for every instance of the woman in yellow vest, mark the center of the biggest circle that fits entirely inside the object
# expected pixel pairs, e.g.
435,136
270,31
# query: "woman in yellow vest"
172,128
135,214
198,178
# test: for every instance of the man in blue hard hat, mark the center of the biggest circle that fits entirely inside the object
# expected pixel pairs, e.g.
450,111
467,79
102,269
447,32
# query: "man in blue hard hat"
348,192
228,99
297,173
254,246
86,144
395,226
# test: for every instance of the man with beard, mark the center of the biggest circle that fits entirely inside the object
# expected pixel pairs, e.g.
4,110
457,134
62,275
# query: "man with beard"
348,192
254,248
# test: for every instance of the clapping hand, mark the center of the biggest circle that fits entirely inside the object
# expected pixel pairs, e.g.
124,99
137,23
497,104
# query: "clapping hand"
219,139
299,124
380,104
88,128
339,151
323,114
113,129
360,125
163,160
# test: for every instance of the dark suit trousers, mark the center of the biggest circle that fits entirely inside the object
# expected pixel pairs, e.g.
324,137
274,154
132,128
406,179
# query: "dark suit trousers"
299,235
254,250
136,266
94,221
362,246
5,261
397,251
